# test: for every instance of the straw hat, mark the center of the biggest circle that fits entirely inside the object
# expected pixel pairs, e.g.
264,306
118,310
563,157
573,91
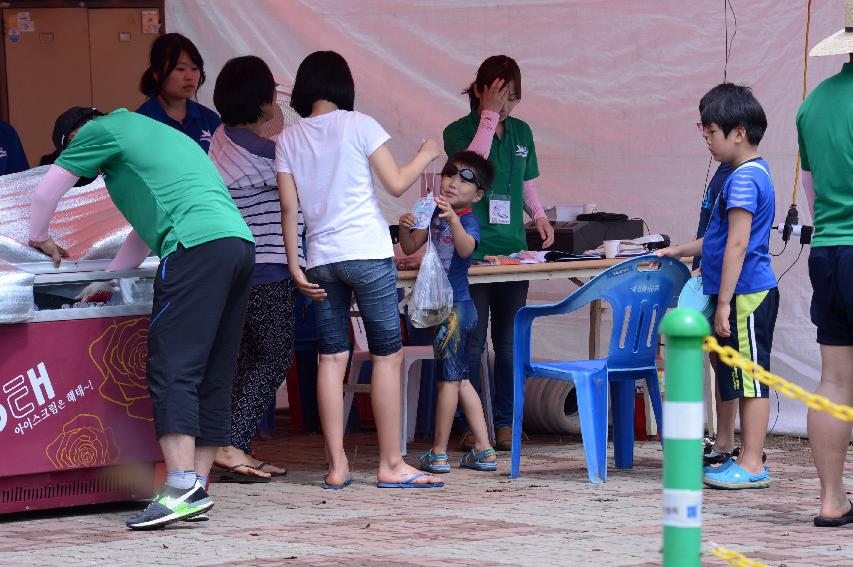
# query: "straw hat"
839,43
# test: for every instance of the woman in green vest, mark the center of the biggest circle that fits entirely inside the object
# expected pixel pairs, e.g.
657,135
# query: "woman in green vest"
508,143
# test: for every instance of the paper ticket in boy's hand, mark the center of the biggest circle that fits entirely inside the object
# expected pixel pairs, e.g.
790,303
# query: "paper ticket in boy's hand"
423,212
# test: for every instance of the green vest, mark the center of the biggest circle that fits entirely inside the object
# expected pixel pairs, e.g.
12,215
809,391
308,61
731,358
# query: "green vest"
514,158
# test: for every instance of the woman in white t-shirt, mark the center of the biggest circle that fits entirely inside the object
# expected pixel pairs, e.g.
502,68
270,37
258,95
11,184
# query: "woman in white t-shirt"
324,164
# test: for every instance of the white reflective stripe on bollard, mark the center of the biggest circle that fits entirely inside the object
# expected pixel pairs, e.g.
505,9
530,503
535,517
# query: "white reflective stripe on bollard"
682,508
683,420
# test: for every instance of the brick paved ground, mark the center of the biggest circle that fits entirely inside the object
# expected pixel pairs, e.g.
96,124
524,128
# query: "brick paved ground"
549,516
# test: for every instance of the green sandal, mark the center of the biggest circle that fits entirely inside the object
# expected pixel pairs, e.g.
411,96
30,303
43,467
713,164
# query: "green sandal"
425,463
472,460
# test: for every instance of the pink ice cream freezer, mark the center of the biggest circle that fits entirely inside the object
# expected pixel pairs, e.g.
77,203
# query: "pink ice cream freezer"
75,416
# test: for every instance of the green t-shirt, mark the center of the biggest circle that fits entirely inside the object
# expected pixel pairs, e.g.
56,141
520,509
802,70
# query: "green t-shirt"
514,158
825,135
160,179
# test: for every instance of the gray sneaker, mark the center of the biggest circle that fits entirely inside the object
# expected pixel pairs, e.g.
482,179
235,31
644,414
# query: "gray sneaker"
172,505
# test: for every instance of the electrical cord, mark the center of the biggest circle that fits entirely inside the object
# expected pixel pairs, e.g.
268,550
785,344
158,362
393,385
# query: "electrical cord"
648,230
800,253
778,409
727,7
781,252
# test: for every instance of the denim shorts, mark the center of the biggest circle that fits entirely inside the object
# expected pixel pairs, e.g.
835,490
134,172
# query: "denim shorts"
450,342
374,283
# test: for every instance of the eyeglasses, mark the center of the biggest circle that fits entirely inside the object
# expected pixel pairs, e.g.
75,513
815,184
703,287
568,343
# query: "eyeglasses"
466,174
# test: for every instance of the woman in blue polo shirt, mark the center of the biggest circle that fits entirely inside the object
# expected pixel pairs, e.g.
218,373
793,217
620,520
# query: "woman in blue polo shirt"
170,83
12,157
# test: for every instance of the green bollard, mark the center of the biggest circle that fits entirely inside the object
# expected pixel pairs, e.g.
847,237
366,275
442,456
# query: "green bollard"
683,429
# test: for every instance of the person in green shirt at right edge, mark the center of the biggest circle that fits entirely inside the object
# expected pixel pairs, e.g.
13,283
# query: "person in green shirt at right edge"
508,143
824,126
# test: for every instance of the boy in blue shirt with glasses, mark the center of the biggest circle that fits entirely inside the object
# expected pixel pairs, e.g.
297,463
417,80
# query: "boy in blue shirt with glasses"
737,274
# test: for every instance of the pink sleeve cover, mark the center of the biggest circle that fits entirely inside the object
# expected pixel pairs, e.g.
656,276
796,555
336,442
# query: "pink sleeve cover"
532,206
482,142
55,183
130,255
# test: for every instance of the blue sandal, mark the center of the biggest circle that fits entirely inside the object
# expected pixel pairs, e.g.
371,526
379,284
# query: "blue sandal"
472,460
425,463
732,476
328,486
410,483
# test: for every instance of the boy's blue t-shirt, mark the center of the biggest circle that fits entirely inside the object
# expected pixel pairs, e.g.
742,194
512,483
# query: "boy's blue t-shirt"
714,188
749,188
456,267
12,157
199,124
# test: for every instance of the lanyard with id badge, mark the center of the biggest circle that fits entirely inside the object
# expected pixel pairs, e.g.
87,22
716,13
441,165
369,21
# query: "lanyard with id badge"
500,211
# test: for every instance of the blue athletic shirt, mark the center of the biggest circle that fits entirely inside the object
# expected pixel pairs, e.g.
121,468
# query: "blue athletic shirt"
199,124
12,157
749,187
456,267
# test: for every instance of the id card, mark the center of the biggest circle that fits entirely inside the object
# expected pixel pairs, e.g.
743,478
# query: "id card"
499,210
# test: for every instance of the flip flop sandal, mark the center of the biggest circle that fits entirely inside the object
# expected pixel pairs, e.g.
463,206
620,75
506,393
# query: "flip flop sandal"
425,462
473,461
410,483
328,486
847,518
261,466
231,475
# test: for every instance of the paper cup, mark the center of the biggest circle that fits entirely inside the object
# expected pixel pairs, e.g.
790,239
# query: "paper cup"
611,248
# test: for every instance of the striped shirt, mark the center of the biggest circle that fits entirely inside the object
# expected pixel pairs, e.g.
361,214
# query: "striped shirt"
246,163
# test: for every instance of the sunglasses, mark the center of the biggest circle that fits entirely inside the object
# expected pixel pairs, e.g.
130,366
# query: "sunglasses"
466,174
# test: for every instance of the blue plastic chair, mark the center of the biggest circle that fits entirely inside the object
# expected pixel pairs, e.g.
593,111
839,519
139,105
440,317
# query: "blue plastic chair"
639,295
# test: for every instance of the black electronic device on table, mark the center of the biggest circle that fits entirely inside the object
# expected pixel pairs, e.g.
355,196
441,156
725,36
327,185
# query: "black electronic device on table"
576,237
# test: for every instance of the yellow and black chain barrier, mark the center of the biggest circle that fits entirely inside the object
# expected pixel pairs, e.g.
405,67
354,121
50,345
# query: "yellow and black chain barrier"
735,558
731,357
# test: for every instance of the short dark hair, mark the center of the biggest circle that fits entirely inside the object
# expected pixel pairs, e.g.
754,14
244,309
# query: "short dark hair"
714,94
323,75
494,67
165,52
737,106
243,86
482,168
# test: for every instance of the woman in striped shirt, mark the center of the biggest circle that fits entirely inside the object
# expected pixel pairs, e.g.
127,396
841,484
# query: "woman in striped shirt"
244,96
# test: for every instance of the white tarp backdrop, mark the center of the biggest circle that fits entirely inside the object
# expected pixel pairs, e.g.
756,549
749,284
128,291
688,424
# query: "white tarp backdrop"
610,89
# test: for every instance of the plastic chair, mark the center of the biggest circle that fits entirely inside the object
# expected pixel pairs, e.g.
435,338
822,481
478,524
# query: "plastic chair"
409,395
639,296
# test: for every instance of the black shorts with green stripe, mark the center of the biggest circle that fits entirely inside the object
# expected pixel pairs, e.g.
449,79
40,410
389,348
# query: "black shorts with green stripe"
752,320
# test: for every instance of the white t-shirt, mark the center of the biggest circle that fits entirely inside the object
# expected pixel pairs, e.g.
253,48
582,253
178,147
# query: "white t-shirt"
328,158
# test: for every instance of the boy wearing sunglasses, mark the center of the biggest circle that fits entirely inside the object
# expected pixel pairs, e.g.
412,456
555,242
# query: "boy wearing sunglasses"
455,233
